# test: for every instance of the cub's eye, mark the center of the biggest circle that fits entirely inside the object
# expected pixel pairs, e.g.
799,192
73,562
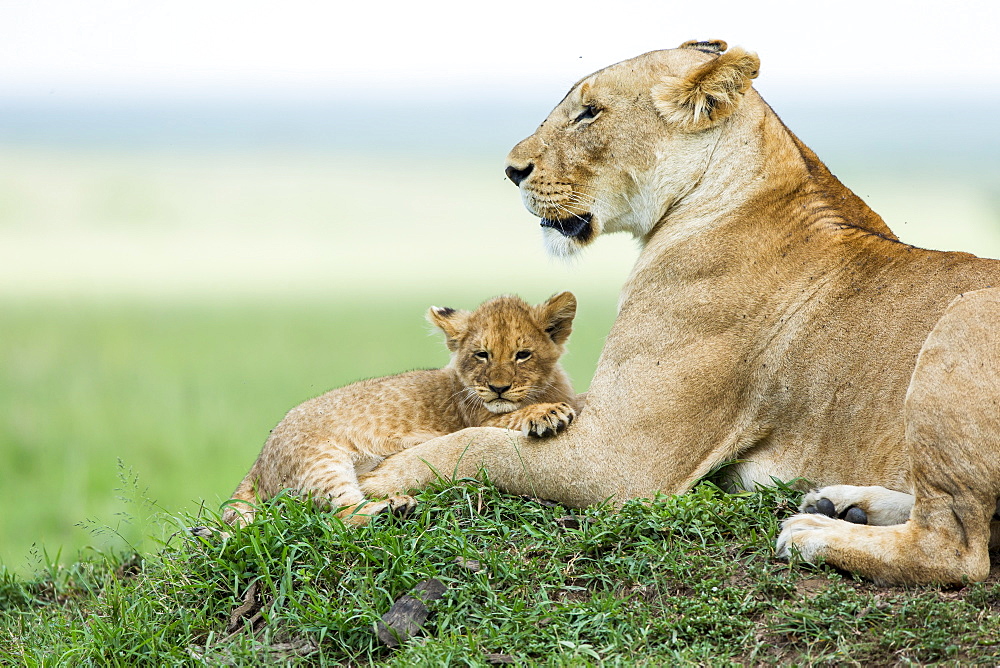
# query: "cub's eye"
522,355
590,111
482,355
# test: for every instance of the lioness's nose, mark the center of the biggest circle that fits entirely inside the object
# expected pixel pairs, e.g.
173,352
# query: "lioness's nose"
517,175
499,389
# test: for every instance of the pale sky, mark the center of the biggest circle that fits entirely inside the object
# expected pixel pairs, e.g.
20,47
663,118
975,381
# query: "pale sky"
221,46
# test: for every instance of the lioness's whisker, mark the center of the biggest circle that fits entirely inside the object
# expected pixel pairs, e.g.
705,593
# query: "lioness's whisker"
563,208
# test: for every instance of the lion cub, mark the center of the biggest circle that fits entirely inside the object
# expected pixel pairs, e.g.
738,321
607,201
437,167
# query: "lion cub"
504,372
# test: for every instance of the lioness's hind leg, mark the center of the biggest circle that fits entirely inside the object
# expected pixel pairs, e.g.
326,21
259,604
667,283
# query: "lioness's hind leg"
869,504
952,415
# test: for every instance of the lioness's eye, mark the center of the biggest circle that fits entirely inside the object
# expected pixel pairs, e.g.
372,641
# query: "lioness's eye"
482,354
522,355
590,111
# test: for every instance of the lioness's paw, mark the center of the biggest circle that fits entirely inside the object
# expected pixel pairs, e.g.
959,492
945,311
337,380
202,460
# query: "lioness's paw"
805,535
859,505
543,420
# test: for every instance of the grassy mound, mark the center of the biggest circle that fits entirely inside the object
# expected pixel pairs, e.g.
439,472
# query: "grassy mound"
683,579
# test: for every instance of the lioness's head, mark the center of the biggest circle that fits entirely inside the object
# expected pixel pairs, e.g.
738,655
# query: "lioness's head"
628,142
506,352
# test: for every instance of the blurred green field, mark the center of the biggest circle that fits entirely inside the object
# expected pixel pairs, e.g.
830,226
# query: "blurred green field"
161,310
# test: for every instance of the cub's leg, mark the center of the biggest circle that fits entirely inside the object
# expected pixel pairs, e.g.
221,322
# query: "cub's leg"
859,505
239,511
538,420
323,470
952,415
332,481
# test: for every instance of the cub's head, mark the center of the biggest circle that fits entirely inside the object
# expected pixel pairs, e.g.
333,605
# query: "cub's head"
628,142
506,352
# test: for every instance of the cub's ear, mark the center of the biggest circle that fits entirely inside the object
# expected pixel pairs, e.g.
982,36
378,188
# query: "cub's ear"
556,316
453,323
709,94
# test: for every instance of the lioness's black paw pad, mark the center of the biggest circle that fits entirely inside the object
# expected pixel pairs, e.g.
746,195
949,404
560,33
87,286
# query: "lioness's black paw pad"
855,515
824,506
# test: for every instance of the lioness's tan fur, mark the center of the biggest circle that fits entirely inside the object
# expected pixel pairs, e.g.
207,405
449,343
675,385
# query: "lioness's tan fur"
504,372
771,316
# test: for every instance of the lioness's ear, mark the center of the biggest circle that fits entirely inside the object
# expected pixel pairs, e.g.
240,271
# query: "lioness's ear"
556,316
708,94
708,46
453,323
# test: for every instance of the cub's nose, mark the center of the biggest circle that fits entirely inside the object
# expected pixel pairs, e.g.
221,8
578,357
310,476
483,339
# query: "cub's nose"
517,175
499,389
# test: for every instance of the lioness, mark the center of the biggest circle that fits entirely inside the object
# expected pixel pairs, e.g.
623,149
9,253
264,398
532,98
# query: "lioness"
504,372
771,317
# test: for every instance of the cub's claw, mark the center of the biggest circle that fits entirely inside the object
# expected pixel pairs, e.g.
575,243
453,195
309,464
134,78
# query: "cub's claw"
400,506
545,420
361,514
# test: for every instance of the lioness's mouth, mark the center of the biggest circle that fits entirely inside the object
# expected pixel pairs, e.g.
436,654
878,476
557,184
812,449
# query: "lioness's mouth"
577,227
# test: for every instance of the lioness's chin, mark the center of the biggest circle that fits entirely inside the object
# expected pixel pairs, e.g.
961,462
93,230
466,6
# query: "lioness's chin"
560,245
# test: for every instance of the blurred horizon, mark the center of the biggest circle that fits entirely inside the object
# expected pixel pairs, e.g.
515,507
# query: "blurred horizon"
197,149
898,120
250,196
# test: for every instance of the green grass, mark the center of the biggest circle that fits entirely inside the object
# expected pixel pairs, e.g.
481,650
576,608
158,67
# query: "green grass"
112,410
688,579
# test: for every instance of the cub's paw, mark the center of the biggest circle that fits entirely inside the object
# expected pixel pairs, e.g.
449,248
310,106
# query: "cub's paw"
859,505
238,514
400,506
542,420
209,533
361,514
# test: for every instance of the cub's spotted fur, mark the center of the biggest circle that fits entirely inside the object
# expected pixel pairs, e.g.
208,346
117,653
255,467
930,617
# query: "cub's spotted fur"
504,372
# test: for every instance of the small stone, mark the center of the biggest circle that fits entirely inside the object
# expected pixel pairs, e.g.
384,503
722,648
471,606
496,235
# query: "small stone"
469,564
408,614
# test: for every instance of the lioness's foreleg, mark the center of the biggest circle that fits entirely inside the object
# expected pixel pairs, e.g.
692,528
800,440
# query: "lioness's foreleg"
559,468
952,415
